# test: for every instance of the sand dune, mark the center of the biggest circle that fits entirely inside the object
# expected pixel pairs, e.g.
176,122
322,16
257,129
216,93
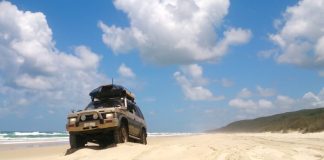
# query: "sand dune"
265,146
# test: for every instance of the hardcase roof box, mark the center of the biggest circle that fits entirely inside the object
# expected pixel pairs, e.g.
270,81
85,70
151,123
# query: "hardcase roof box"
111,91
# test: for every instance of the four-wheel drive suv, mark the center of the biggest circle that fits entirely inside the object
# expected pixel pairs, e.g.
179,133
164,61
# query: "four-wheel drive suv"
111,116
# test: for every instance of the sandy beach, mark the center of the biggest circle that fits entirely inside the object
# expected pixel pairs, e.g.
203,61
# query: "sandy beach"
267,146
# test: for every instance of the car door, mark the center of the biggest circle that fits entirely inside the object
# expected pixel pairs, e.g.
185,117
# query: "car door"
139,121
131,118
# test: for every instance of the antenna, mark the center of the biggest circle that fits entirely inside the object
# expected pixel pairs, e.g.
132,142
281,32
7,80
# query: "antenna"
112,81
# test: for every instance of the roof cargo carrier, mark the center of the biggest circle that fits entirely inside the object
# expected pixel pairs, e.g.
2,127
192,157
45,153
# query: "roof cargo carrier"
111,91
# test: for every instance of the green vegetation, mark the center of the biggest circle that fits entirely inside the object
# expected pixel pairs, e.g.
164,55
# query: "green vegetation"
305,121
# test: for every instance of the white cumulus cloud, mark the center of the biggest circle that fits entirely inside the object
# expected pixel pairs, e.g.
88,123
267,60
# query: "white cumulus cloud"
125,71
312,100
174,31
285,101
244,93
248,104
192,83
242,103
300,35
266,92
33,71
276,103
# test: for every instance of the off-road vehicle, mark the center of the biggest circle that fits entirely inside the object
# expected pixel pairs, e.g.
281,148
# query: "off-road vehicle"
111,116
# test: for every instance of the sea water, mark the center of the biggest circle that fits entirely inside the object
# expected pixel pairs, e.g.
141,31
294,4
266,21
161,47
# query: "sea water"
15,137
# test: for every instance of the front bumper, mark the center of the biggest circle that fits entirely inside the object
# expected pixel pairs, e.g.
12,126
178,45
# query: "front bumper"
92,125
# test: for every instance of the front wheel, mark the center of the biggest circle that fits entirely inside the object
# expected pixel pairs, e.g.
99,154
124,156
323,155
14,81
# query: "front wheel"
143,137
121,134
103,144
76,141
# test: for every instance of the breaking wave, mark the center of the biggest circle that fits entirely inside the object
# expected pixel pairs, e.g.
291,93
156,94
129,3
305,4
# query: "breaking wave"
16,137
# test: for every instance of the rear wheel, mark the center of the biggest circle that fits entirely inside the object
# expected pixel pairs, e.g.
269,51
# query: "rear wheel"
143,137
76,141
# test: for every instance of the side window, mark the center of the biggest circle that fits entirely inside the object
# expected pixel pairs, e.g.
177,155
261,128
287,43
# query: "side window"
138,112
130,106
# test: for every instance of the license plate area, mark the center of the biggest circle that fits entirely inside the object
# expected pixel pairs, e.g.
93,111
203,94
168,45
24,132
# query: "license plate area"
89,124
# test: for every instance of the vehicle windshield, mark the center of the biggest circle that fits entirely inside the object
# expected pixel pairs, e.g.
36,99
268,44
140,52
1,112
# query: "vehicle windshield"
116,102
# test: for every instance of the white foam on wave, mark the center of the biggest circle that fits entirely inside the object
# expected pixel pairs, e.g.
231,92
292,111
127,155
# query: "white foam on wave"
28,133
38,133
32,140
32,137
165,134
49,137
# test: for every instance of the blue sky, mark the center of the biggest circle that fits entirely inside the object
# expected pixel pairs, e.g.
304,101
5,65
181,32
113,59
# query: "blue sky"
193,65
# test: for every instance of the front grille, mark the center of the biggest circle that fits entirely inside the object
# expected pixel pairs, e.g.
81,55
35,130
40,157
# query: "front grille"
89,118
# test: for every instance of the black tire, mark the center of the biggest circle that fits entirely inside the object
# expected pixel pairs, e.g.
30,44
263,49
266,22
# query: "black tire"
143,137
103,144
76,141
124,134
121,134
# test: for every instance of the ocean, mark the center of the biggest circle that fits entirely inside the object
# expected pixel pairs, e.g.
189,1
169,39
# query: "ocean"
14,137
9,137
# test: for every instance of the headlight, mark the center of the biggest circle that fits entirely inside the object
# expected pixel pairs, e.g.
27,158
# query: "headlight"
83,117
95,116
72,120
109,116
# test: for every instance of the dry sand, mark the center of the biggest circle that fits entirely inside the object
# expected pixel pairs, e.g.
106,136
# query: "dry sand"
267,146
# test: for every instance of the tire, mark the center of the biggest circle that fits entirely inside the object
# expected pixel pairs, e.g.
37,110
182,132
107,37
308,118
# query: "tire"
103,144
121,134
76,141
143,137
124,134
